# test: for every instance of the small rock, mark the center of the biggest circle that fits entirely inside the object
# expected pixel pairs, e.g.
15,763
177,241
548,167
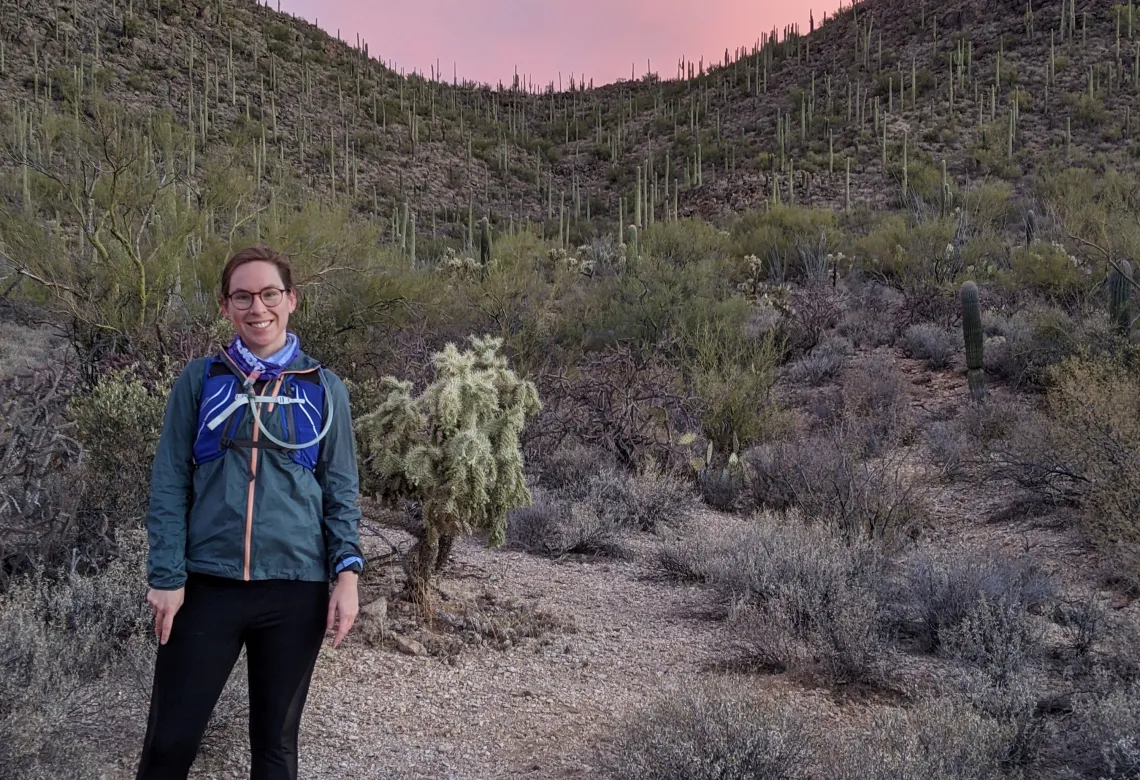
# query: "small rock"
409,646
377,609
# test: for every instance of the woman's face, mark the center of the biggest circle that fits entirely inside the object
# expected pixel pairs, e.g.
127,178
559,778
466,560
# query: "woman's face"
262,328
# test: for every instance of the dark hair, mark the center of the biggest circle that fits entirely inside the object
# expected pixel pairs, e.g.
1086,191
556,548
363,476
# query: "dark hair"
257,254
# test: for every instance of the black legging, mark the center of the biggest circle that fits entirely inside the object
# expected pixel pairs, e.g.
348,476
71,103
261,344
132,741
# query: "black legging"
282,624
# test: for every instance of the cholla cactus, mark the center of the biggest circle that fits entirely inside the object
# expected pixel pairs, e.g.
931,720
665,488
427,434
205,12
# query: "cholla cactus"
460,267
751,286
454,449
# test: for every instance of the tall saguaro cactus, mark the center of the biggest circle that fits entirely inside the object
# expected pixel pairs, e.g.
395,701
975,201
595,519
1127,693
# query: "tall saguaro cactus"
484,242
972,333
1120,296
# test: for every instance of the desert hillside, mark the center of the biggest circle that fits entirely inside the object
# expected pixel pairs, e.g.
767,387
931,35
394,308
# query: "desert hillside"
782,410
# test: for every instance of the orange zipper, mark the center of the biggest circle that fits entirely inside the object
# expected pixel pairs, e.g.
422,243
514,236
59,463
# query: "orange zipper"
253,480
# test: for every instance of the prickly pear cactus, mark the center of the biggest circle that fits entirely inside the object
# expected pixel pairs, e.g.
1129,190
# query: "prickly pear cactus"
972,333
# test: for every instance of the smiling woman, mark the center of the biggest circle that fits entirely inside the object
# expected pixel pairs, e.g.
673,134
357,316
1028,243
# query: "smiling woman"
253,510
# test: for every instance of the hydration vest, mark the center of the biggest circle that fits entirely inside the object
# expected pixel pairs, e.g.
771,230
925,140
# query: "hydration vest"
297,399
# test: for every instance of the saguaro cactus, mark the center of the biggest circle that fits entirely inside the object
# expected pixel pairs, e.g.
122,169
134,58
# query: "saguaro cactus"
972,333
1030,228
1120,296
484,242
632,249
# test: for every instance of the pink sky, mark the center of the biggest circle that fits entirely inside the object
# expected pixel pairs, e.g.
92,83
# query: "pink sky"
486,39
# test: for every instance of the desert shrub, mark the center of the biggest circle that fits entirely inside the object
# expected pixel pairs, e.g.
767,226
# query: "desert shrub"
948,448
618,401
773,234
1096,410
1046,269
40,464
996,419
810,603
1101,740
937,346
876,407
821,365
119,423
1037,338
712,732
802,599
811,311
76,666
834,484
996,636
867,328
554,527
939,739
645,501
898,251
731,373
967,600
687,242
63,636
724,487
571,466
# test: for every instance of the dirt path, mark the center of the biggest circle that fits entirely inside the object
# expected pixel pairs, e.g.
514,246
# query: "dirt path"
534,710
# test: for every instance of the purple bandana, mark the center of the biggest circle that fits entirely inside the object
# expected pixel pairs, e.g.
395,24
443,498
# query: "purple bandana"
266,368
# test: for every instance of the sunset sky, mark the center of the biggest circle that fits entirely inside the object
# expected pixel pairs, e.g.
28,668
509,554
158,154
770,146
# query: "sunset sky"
486,39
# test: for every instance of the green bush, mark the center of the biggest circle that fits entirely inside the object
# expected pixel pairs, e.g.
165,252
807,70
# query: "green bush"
119,423
1046,269
774,235
687,242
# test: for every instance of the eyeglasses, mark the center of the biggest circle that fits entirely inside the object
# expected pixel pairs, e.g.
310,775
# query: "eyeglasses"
270,296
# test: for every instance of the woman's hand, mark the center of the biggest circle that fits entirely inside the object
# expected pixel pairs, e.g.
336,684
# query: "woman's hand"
344,604
165,605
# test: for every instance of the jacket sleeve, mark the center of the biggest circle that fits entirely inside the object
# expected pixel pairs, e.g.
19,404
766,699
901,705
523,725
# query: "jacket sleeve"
172,485
337,474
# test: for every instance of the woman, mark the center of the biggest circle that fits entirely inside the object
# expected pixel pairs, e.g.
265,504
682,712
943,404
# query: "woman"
253,510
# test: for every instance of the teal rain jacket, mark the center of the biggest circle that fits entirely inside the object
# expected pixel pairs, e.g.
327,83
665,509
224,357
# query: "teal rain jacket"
252,513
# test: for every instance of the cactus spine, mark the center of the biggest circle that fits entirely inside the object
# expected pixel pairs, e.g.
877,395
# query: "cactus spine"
1120,295
972,333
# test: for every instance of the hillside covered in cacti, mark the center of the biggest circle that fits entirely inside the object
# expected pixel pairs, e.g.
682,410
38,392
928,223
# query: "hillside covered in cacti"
886,102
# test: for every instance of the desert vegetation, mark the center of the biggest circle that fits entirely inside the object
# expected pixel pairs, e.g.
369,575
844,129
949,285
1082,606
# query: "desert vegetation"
838,332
